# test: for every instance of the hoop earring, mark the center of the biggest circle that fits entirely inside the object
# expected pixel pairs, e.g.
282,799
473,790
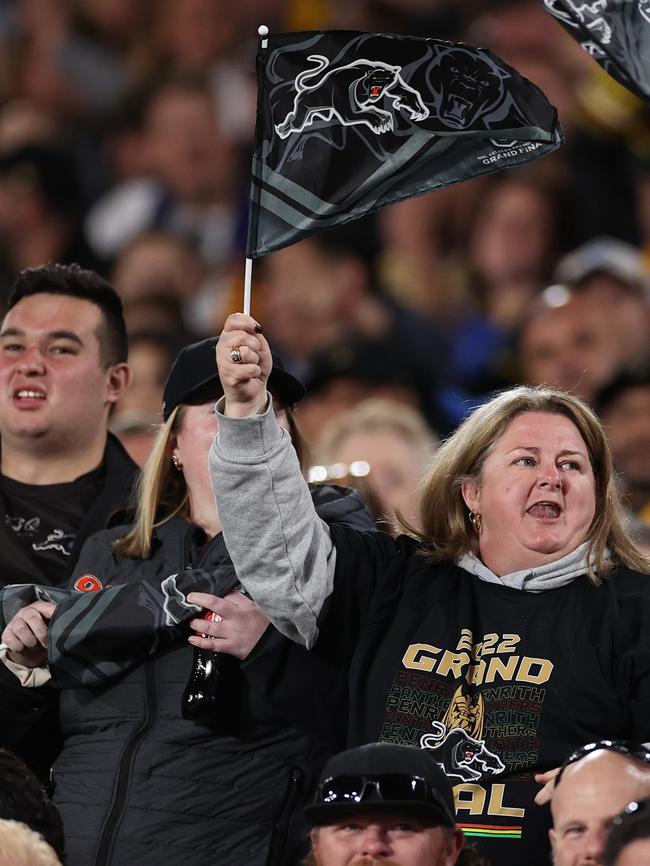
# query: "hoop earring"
477,521
176,461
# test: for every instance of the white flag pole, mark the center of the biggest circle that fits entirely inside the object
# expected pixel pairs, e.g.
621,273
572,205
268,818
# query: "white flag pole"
248,275
263,32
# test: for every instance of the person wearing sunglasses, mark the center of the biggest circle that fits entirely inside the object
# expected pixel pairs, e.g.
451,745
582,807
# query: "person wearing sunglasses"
383,803
594,783
628,843
506,629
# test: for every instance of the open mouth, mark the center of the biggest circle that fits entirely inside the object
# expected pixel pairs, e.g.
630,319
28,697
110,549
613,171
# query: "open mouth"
29,394
545,510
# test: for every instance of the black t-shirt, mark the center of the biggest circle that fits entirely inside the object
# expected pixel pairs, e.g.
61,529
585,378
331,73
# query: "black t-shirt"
495,682
45,518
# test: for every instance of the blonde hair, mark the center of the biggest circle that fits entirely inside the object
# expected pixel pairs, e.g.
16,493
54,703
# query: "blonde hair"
374,414
161,491
446,530
21,846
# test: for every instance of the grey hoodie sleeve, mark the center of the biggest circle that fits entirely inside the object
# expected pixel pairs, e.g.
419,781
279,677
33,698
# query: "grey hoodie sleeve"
281,549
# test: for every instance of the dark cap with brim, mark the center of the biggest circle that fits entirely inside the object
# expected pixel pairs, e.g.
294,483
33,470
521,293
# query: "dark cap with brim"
379,759
195,370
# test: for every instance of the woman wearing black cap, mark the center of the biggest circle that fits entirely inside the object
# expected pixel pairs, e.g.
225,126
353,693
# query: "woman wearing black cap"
141,779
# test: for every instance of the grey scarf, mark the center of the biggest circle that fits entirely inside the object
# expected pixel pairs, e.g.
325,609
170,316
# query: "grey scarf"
553,575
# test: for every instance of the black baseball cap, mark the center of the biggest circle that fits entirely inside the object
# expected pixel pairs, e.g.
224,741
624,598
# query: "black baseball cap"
195,369
382,777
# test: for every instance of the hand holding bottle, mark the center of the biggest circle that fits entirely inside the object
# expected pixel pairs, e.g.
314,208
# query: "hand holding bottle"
238,627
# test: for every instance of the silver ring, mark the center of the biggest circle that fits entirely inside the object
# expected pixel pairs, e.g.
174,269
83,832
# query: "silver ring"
235,355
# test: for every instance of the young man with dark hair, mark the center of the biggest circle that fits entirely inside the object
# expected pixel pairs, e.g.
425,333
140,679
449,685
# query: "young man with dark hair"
63,349
75,282
62,366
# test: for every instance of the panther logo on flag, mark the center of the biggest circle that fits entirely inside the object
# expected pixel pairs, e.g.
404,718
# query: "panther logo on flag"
350,95
468,87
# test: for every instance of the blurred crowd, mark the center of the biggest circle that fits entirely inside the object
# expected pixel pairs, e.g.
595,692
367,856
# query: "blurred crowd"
126,133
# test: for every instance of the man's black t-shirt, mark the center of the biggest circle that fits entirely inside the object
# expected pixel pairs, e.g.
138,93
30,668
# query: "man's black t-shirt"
45,518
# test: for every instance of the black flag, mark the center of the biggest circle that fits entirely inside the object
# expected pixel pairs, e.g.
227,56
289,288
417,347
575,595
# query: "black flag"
348,122
615,32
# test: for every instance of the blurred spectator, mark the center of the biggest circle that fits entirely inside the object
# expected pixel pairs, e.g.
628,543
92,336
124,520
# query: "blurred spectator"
606,126
387,443
157,263
354,370
500,259
323,310
162,264
614,275
192,178
155,312
191,35
624,406
22,798
39,210
418,235
136,415
507,240
20,846
511,243
22,123
58,67
567,343
628,842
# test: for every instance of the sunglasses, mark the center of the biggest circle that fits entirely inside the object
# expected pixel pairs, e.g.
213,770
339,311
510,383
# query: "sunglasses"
390,787
620,747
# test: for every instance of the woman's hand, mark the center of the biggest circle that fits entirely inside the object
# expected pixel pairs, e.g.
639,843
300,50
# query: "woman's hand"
26,635
238,625
243,381
546,779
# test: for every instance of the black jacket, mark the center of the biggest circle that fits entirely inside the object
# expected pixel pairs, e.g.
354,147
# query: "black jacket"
135,782
39,743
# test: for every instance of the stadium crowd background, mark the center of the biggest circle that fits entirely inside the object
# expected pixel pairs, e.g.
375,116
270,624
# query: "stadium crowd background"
126,131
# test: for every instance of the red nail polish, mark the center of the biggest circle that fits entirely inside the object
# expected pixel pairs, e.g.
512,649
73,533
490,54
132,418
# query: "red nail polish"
258,328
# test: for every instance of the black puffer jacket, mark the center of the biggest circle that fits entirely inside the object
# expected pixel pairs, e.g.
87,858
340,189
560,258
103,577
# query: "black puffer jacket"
138,784
38,743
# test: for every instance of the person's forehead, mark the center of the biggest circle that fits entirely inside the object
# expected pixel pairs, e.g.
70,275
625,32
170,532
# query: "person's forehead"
545,329
45,313
578,315
383,819
527,428
599,786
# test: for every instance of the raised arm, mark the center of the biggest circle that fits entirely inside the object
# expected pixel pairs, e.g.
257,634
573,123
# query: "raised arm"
282,551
